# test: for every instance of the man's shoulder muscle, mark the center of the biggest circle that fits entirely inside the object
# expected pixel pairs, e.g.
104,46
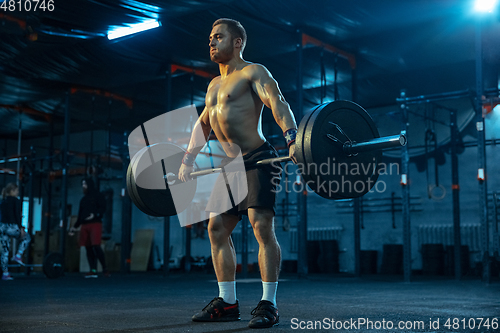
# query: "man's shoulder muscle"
254,70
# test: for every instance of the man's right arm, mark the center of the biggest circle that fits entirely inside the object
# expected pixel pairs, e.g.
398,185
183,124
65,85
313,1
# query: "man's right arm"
199,137
201,130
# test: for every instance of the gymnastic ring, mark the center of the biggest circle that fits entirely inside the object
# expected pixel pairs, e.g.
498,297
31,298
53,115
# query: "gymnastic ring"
432,193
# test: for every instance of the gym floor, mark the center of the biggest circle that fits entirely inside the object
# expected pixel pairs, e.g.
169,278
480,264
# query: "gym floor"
150,302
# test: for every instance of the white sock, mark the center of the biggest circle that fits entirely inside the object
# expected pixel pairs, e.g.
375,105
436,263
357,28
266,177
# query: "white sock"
227,291
269,291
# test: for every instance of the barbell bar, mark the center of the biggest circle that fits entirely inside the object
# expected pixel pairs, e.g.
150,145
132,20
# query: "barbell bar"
52,265
350,148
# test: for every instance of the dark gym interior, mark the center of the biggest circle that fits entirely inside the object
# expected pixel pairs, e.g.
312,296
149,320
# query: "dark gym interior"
417,251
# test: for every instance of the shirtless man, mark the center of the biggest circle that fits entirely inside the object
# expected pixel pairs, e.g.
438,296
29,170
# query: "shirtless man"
234,104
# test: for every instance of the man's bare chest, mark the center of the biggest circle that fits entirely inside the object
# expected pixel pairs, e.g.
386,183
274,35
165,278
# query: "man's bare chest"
229,90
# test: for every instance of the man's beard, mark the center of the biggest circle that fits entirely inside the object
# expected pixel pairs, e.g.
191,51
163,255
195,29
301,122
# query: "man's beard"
223,55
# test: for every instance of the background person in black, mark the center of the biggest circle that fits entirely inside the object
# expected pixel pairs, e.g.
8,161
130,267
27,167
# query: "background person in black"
11,227
92,208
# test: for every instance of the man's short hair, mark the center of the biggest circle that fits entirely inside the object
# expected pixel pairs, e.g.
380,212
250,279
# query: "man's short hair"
235,29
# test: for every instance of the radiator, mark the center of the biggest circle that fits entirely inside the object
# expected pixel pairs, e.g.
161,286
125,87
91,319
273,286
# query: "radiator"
328,233
443,234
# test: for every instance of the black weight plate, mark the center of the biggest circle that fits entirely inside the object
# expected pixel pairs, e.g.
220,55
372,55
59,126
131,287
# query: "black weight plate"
299,140
330,172
132,186
148,189
132,189
53,265
301,135
308,178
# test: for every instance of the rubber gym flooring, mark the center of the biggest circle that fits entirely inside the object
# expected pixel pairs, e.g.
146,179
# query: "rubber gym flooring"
149,302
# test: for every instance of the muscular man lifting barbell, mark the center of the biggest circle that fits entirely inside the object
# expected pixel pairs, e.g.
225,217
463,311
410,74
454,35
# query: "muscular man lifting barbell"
234,104
339,134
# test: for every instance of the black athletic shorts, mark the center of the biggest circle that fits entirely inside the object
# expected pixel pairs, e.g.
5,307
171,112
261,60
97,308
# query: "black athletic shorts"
262,182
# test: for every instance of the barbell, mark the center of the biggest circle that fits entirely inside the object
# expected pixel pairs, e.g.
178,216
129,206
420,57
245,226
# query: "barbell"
339,136
52,265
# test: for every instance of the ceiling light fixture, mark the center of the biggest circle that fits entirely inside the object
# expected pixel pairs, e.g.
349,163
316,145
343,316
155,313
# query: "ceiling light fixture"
118,32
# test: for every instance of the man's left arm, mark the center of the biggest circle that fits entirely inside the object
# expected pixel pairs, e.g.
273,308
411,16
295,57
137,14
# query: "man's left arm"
266,87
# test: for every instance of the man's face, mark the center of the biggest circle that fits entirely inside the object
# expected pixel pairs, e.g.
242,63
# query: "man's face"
221,44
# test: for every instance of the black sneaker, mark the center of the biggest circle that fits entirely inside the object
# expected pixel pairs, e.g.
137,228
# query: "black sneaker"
218,310
264,315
